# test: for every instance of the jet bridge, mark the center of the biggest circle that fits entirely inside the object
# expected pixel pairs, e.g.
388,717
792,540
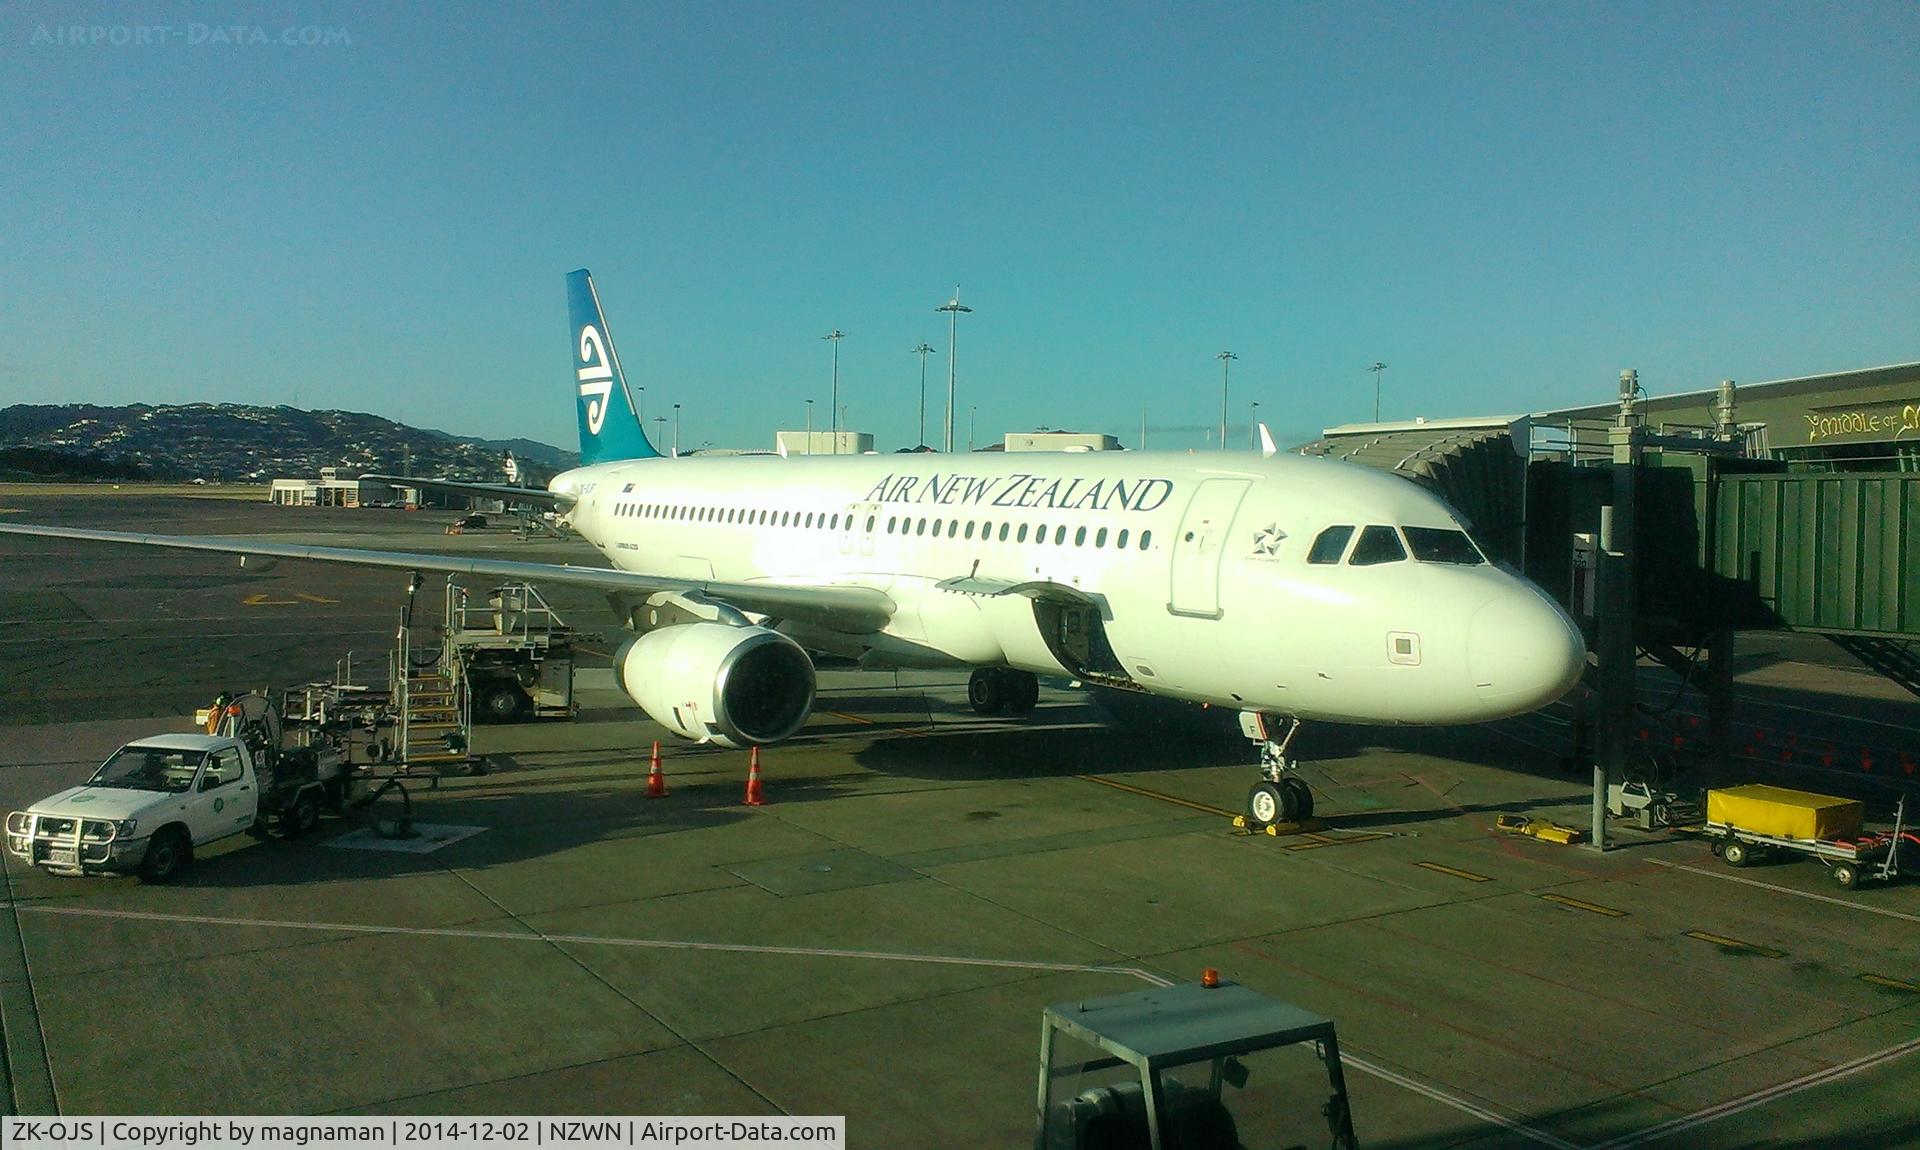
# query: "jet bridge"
1665,539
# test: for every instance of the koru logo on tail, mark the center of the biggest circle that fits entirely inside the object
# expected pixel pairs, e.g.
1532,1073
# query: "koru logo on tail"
596,378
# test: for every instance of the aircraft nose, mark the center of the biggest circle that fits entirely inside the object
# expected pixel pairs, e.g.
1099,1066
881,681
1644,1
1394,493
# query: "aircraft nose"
1523,651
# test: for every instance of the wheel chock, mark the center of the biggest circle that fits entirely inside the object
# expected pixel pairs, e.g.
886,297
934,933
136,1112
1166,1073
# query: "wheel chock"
1240,823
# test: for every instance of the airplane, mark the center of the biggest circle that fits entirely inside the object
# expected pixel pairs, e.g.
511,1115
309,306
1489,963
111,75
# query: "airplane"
1289,588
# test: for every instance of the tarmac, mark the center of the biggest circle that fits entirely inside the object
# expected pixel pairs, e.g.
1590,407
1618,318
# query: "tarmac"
879,940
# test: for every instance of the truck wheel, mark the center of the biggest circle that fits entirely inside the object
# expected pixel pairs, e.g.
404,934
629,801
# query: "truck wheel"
1736,853
167,852
502,703
302,816
1846,874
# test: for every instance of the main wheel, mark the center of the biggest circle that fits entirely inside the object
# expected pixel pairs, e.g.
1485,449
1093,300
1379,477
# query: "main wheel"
1302,798
1736,853
1023,692
987,691
503,702
1846,874
167,852
1266,805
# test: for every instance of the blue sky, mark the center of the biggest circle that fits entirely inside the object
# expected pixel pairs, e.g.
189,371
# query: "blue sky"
1505,203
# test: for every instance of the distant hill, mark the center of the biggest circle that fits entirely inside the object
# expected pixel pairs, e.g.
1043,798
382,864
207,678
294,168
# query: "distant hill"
237,442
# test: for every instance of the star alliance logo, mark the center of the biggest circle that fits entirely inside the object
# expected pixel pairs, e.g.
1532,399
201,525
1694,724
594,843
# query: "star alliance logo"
1266,542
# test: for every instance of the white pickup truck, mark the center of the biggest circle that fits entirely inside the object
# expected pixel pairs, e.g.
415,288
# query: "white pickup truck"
156,799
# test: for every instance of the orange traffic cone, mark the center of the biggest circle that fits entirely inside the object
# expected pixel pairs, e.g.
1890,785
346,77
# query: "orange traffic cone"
755,798
656,778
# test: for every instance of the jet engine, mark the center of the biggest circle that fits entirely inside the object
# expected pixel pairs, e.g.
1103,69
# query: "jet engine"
718,682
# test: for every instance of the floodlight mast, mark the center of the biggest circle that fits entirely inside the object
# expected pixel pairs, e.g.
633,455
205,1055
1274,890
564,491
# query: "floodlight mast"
1376,369
833,413
953,308
923,351
1226,359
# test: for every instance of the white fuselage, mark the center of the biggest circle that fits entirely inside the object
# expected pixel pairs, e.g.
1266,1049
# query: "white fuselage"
1194,568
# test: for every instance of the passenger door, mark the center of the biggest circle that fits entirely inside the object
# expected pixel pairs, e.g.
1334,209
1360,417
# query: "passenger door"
1199,545
225,800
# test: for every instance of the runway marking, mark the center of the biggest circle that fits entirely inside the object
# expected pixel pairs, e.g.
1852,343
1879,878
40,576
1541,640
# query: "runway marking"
602,940
1736,944
1744,881
1454,871
1761,1097
853,718
1165,798
1578,904
1894,983
259,599
313,598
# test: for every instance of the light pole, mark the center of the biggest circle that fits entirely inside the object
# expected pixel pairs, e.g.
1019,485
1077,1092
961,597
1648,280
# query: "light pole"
676,431
809,450
640,405
923,351
1226,359
833,412
659,429
1376,369
1253,426
971,412
953,308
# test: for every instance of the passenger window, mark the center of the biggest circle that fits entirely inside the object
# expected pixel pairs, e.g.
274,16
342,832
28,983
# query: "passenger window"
953,528
1330,545
1377,545
1080,537
920,528
936,529
969,528
1120,540
1100,540
1023,534
1146,537
891,520
1003,533
1440,545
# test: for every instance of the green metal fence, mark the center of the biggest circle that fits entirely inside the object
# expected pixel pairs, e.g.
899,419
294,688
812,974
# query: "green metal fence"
1834,553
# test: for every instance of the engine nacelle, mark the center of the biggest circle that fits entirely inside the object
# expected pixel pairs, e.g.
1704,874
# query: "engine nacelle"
717,682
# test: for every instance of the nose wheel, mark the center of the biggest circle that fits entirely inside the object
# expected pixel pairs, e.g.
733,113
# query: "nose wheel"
1280,796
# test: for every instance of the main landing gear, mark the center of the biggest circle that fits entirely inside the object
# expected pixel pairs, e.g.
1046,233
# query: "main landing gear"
1281,795
1003,691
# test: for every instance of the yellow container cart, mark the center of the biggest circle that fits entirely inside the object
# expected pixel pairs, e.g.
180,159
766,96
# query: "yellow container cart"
1745,824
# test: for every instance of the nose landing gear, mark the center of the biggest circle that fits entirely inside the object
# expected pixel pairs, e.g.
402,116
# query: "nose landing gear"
1281,795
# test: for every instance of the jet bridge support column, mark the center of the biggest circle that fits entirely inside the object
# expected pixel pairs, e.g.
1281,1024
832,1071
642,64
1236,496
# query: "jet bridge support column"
1615,645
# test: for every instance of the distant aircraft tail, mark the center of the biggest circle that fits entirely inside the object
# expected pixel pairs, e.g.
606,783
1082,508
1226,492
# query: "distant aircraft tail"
609,426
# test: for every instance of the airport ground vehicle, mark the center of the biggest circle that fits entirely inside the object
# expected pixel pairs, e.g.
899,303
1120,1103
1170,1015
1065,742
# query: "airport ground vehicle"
515,654
1745,824
157,798
1152,1069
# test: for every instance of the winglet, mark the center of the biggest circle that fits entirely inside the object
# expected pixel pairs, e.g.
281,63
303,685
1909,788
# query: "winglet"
1267,448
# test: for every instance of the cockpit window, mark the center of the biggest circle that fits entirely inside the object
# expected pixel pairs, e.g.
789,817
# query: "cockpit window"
1377,545
1440,545
1330,545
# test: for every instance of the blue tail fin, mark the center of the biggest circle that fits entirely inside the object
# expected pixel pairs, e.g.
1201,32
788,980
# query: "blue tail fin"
609,427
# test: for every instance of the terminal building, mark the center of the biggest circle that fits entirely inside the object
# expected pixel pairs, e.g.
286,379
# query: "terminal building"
332,490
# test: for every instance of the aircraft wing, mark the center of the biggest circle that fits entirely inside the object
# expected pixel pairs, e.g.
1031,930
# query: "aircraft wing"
838,607
535,495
